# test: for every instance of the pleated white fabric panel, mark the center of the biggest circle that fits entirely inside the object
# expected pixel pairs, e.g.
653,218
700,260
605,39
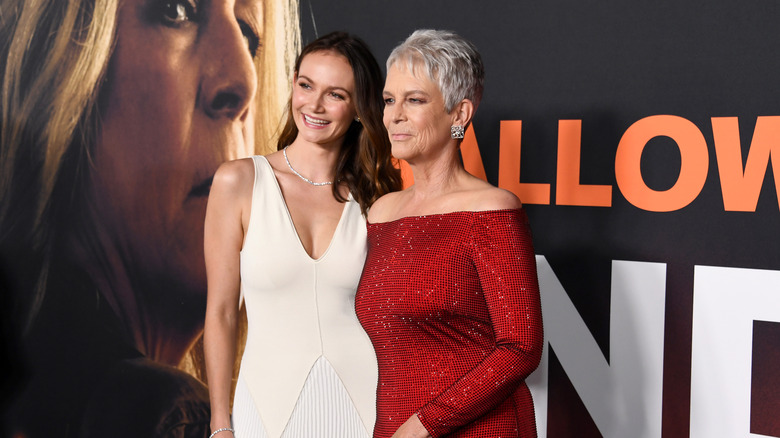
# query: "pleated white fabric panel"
246,420
324,409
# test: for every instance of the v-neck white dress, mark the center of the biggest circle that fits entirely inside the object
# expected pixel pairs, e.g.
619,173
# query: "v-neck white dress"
308,369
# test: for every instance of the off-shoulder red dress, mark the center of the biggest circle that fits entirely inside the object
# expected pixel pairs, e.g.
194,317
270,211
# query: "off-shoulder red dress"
451,304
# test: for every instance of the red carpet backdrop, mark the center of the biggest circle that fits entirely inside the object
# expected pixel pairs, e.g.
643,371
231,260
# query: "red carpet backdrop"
644,140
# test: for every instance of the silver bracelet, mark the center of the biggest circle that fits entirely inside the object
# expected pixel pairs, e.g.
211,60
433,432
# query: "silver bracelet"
224,429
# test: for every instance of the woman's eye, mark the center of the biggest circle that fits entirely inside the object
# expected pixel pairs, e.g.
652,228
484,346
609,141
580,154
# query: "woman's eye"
174,13
251,38
337,96
389,101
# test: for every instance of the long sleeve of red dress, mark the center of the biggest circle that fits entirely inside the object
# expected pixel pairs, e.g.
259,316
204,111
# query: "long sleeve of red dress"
451,303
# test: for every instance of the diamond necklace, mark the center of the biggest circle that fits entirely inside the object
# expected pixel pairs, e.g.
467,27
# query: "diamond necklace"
284,152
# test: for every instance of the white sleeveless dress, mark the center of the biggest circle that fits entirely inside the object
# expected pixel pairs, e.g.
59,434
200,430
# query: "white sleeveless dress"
308,369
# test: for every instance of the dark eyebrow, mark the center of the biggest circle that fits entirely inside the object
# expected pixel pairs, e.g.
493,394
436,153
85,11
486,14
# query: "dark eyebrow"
308,79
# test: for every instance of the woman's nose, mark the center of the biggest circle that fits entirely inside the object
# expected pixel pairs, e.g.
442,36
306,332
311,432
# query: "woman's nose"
318,105
396,112
229,78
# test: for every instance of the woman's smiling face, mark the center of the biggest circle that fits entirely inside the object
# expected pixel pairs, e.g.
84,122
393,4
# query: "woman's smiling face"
176,104
322,100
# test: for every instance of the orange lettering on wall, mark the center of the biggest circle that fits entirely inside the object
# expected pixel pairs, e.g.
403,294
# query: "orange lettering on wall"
693,167
568,190
406,173
509,166
741,189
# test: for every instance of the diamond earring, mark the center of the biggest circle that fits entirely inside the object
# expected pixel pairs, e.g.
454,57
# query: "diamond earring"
457,131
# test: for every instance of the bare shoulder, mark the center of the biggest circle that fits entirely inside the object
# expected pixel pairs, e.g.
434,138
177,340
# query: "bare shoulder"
234,177
383,209
494,198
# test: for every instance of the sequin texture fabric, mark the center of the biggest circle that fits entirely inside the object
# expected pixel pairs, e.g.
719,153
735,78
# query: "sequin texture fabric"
451,304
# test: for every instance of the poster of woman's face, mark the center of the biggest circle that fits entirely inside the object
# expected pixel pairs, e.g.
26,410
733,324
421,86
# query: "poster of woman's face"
115,116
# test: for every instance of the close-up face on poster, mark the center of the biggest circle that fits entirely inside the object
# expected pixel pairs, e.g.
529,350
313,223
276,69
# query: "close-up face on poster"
213,212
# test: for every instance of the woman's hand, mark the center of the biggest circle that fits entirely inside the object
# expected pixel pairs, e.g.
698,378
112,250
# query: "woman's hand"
412,428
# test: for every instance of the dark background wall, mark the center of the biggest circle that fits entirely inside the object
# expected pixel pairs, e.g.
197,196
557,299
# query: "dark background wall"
610,64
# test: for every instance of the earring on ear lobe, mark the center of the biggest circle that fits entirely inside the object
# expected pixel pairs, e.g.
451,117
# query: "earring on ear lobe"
357,119
457,131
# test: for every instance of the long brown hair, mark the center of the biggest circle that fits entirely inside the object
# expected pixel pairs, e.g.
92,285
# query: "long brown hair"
365,163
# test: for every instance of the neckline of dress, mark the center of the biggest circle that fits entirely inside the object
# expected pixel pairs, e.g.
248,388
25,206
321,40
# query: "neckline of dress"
292,222
457,212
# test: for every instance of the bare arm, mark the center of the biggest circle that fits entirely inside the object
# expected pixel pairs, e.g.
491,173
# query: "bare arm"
226,217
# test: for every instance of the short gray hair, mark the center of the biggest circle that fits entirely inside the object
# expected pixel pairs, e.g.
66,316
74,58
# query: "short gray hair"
449,60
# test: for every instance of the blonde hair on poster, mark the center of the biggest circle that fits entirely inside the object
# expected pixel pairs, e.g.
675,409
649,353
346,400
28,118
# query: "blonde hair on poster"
54,58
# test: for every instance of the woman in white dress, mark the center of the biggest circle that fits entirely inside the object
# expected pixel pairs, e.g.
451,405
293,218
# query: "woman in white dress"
286,233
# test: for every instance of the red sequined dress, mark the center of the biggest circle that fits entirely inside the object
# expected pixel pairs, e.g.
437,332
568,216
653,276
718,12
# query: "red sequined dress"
451,304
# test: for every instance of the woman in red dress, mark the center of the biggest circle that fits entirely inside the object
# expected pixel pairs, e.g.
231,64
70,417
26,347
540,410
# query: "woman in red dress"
449,293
